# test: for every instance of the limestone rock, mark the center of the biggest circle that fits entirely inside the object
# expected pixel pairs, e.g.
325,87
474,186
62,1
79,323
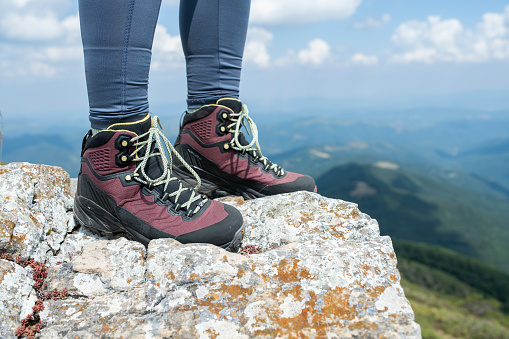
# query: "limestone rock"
324,271
16,297
35,209
120,264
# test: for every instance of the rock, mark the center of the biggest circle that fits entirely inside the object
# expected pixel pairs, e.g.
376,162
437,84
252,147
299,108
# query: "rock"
16,297
35,209
301,216
120,264
324,271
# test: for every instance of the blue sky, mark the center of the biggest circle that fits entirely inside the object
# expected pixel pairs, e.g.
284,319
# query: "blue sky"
350,53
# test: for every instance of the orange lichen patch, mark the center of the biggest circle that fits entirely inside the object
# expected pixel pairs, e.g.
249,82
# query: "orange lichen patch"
4,272
19,239
2,171
335,309
289,271
6,226
35,221
363,325
393,277
375,292
170,275
366,269
215,303
264,277
129,280
392,255
193,276
384,310
335,232
354,214
211,333
141,258
107,326
306,216
337,305
236,291
296,291
240,273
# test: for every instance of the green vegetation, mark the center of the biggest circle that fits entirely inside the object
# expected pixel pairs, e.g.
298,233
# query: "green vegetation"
453,296
444,316
446,307
452,273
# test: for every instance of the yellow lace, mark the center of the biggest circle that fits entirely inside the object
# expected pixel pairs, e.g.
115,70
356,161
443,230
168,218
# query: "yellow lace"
240,119
154,133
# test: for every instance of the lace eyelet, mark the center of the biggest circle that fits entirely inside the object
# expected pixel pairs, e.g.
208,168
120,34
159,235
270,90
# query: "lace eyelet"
123,142
128,178
226,146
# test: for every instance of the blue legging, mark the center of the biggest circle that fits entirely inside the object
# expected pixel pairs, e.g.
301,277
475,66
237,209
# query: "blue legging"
117,41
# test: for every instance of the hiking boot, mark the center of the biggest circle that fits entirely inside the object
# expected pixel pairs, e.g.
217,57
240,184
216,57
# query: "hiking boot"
126,185
211,142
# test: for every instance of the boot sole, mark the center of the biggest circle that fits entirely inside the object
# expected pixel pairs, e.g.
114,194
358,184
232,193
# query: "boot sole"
89,214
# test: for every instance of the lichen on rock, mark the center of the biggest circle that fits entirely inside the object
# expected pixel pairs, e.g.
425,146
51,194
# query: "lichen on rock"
323,271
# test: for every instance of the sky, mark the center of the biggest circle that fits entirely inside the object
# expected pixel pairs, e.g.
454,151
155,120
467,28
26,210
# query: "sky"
366,54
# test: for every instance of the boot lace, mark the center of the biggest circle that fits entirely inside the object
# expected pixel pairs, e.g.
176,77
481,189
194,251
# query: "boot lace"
164,146
237,121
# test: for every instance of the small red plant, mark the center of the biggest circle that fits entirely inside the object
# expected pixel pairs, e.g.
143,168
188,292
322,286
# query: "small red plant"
250,249
32,324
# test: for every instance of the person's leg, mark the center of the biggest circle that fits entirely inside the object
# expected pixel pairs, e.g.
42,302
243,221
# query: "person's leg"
213,34
117,40
126,184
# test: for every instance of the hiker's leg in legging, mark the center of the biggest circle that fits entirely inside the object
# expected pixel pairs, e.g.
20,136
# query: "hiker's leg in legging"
117,40
213,34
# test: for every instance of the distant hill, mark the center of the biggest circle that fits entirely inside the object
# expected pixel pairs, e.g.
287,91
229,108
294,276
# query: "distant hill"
412,207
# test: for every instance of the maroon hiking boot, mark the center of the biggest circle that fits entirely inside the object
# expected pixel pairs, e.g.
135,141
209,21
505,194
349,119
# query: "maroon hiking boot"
126,185
211,142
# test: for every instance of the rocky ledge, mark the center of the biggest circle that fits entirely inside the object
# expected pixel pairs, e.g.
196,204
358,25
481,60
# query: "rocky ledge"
324,271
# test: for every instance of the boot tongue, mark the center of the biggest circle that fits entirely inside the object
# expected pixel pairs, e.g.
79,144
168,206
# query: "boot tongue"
242,139
139,127
154,169
234,104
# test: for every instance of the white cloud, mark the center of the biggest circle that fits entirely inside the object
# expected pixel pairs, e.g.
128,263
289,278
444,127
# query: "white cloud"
317,53
256,50
370,22
30,27
38,40
296,12
362,59
167,50
438,40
